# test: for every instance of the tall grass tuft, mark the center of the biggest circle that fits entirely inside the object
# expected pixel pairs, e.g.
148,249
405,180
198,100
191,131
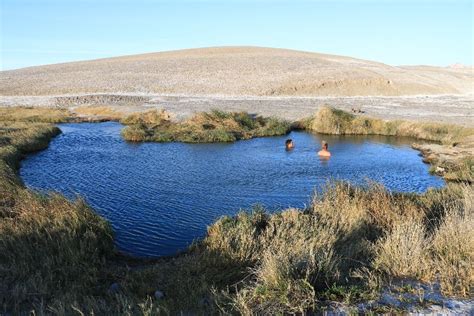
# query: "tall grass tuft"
215,126
333,121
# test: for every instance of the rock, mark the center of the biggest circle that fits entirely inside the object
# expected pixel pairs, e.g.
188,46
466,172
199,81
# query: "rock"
114,288
159,294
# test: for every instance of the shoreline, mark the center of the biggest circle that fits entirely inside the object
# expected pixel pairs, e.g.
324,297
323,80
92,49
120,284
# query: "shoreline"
139,265
448,108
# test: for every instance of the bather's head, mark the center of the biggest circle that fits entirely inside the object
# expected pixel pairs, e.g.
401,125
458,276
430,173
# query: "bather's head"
289,144
324,145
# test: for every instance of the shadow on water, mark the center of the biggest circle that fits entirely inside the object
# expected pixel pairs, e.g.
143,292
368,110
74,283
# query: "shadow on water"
159,197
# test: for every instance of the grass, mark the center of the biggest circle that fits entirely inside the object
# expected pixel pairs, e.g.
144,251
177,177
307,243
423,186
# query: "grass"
345,246
105,112
333,121
48,243
216,126
452,159
35,114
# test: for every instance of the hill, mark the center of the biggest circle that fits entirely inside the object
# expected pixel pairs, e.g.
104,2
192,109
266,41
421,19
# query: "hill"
236,71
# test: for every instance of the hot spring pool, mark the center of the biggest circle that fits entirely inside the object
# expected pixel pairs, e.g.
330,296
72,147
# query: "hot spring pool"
159,197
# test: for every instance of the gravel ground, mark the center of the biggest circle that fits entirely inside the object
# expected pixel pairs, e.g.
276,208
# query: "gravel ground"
458,109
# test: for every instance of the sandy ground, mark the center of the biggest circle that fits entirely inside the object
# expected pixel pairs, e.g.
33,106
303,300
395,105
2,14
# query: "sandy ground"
272,82
458,109
237,71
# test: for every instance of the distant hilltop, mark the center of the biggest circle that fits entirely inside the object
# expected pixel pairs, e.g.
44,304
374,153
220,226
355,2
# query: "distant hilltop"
253,71
459,66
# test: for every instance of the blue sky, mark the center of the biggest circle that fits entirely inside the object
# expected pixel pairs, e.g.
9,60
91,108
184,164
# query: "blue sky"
35,32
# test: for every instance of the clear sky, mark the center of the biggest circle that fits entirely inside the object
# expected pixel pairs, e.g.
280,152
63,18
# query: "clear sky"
35,32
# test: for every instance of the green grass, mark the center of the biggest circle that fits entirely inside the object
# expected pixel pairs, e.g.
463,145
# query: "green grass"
215,126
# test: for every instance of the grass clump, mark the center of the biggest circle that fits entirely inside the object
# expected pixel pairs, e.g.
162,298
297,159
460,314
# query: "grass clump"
297,258
215,126
333,121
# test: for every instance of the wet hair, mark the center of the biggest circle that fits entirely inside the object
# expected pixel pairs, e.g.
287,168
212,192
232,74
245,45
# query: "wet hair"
324,144
288,141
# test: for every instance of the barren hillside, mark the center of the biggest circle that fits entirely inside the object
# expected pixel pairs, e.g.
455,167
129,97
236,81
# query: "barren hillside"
236,71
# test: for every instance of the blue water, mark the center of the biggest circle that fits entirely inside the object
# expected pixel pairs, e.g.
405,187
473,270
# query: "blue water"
159,197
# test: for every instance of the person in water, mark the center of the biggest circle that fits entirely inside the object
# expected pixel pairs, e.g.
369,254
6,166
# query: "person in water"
324,152
289,144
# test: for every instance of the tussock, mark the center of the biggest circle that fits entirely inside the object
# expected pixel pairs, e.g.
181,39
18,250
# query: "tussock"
333,121
215,126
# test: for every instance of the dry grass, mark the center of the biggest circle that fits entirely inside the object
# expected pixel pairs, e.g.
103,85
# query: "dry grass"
70,246
216,126
60,253
403,252
453,159
150,118
35,114
17,138
332,121
445,254
298,256
48,244
105,112
452,248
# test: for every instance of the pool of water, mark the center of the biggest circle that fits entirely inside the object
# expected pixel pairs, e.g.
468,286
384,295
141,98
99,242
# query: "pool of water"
159,197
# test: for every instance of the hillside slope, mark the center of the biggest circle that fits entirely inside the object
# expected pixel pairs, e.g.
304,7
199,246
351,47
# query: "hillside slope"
236,71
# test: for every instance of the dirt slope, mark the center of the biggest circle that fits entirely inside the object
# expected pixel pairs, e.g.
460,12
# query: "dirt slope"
236,71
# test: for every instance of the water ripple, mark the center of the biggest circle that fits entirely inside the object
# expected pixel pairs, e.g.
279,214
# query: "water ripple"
161,197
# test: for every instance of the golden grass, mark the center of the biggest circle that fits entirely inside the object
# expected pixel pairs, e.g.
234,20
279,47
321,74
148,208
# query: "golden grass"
106,112
35,114
403,252
333,121
297,256
453,159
